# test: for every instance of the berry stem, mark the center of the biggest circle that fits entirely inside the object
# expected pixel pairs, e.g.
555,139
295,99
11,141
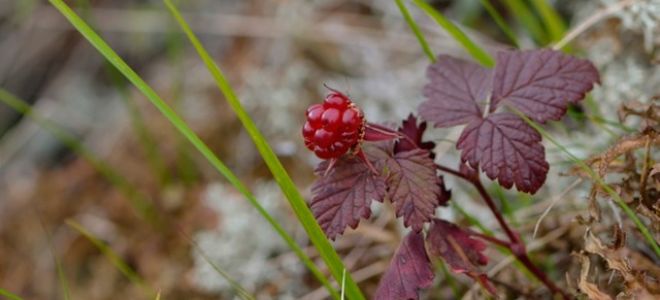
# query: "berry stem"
365,159
515,245
375,133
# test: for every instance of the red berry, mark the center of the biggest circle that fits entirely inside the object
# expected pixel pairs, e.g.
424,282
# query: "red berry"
314,113
336,99
331,118
334,127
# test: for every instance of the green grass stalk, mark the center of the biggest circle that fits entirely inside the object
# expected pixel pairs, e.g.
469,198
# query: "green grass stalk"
318,238
115,259
281,176
140,203
528,20
241,292
551,18
415,29
501,23
477,52
9,295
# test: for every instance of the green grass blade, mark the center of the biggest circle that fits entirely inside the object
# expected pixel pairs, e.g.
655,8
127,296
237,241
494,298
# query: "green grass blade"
471,219
551,18
598,180
477,52
525,16
501,23
61,276
10,296
449,278
241,292
145,137
326,250
115,259
184,160
138,201
297,202
415,29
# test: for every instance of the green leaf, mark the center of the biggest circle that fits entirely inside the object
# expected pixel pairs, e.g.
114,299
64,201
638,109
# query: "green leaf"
477,52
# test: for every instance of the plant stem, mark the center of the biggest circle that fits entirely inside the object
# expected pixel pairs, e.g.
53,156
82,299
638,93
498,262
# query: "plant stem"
491,204
515,245
492,239
540,275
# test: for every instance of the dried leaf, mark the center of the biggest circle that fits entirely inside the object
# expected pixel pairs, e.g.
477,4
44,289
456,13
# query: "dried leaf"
637,282
344,195
650,112
615,259
541,83
655,172
623,146
410,270
590,289
507,149
414,187
456,89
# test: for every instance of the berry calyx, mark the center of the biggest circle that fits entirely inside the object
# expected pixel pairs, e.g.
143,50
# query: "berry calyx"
333,127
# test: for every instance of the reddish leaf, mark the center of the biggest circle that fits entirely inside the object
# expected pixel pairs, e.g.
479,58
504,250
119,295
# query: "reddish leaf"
410,270
541,83
414,187
507,149
344,194
414,133
456,246
413,136
459,250
456,90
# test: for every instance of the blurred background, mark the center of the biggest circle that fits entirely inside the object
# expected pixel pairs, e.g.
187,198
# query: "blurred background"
97,155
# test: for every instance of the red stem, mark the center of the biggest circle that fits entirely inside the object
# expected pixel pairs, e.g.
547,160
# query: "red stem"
516,245
492,239
491,204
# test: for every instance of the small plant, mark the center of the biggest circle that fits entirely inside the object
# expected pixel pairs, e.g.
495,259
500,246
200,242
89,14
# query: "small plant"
399,166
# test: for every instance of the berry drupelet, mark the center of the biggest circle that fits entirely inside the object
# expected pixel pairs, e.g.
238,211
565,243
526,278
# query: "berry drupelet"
333,127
